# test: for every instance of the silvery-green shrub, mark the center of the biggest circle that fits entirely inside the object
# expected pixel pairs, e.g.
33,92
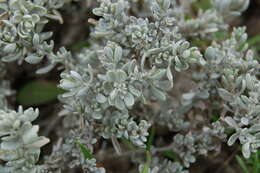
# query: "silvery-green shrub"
142,70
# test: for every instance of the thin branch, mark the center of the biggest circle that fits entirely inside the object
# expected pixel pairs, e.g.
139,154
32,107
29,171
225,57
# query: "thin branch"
137,151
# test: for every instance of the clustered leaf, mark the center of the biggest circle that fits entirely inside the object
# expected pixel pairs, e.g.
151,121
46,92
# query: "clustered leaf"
22,36
238,87
20,144
141,69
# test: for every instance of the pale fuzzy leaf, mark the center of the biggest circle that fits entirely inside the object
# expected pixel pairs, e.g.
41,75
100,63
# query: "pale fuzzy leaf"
169,75
188,96
232,139
32,59
129,100
158,74
10,48
119,103
29,115
134,91
225,95
118,54
246,150
45,69
10,145
120,76
76,75
158,94
111,76
36,40
108,52
39,143
101,98
231,122
30,135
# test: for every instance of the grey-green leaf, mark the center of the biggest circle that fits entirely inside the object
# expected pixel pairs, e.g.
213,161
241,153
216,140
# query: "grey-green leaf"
158,94
129,99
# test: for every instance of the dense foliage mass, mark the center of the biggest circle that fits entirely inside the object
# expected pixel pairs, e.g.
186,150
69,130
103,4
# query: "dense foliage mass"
143,70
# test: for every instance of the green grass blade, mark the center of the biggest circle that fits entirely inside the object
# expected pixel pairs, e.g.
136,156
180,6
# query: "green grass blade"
202,4
86,152
129,144
80,45
254,40
148,162
150,139
146,168
242,164
256,163
38,92
170,155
